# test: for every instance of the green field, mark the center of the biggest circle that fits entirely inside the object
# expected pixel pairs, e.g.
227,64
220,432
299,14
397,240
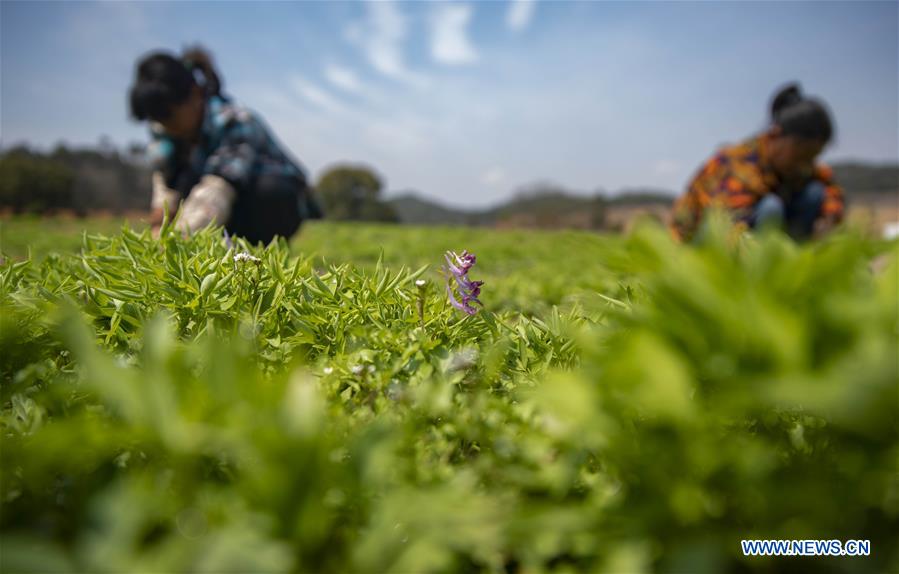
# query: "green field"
574,257
42,235
619,404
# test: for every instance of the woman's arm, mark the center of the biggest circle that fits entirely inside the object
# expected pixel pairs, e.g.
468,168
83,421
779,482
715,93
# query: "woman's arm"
210,201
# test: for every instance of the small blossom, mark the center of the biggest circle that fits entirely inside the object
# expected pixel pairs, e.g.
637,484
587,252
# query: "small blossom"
463,359
328,370
243,256
357,369
228,243
420,304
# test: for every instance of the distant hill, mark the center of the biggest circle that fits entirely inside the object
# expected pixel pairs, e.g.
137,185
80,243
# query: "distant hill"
537,209
415,209
642,196
547,207
866,178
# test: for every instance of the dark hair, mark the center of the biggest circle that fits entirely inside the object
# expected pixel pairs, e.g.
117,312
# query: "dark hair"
802,117
163,81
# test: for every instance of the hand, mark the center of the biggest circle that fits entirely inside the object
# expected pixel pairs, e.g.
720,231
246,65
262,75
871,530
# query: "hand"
156,217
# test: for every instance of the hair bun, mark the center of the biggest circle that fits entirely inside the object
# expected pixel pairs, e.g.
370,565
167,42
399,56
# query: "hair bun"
789,95
198,58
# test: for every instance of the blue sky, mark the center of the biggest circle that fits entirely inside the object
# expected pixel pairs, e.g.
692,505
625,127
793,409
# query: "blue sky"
467,102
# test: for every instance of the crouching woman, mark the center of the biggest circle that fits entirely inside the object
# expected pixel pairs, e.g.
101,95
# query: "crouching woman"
213,161
772,179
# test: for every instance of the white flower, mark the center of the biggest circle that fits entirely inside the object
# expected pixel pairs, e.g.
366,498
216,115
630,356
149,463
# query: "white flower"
463,359
357,369
420,283
328,370
243,256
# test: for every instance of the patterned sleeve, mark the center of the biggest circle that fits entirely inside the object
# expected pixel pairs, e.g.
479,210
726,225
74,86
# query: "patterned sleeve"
234,159
726,181
162,155
739,195
834,204
704,189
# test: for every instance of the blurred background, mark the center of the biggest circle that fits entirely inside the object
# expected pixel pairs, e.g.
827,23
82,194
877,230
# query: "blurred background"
522,113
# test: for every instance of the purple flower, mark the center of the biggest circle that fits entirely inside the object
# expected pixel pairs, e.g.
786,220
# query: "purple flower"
458,266
228,242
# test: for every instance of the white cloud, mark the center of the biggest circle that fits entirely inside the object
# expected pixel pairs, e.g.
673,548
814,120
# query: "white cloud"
405,135
519,14
343,78
666,167
494,176
388,30
322,129
381,37
449,34
315,95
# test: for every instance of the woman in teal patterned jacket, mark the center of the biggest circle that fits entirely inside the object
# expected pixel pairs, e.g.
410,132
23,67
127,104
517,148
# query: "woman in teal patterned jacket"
214,161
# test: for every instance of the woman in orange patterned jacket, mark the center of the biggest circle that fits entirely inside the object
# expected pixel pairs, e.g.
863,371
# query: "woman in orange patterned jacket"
771,179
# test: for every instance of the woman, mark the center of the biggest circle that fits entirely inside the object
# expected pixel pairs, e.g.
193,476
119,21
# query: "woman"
214,161
771,179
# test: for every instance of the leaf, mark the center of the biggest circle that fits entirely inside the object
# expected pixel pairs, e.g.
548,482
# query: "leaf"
208,283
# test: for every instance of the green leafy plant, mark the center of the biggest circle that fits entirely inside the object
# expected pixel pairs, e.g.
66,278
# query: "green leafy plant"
184,404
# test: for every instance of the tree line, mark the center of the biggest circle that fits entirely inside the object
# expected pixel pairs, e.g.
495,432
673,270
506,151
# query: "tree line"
106,178
80,180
